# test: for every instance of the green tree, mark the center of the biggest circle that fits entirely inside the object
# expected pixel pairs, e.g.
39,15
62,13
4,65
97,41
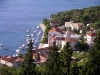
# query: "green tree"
93,64
66,55
5,70
28,64
52,65
74,70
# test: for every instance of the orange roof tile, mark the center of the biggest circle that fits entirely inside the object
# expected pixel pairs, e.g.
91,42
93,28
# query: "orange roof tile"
92,34
55,29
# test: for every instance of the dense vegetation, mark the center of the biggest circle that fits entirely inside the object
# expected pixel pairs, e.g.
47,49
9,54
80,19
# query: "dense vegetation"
85,15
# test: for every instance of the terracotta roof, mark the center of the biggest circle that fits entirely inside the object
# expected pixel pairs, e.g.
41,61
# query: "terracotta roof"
20,59
11,59
6,58
55,29
42,59
92,34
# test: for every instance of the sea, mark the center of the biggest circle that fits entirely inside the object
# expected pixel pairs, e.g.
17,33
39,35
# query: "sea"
19,16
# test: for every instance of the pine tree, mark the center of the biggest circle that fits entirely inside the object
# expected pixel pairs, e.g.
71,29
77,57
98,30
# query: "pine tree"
66,55
28,64
53,61
74,70
93,64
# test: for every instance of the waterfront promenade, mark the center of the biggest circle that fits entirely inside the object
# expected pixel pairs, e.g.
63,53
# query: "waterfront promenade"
43,28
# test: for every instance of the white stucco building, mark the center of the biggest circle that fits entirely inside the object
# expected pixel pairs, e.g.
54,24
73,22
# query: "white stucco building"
90,38
11,61
55,34
77,26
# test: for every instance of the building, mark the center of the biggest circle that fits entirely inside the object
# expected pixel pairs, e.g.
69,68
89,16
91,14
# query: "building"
72,38
11,61
72,25
90,38
53,34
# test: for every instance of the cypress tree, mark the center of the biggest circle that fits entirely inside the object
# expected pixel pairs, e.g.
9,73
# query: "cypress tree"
28,64
74,70
93,64
66,55
53,61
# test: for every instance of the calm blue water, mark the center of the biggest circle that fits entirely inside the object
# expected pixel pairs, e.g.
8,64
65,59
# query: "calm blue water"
18,14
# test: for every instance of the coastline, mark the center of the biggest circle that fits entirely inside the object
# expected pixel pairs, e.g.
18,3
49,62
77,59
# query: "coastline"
43,29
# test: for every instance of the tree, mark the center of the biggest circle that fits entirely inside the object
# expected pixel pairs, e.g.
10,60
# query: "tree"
5,70
53,61
66,55
81,45
28,64
93,64
74,70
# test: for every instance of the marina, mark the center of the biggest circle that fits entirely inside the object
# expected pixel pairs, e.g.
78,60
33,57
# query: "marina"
34,35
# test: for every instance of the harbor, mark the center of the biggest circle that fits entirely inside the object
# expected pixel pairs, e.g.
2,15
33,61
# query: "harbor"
35,34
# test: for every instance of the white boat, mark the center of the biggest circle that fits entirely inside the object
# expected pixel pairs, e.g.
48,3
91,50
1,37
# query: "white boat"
1,44
20,47
34,46
28,35
23,45
33,49
32,35
37,27
39,33
33,39
18,51
27,31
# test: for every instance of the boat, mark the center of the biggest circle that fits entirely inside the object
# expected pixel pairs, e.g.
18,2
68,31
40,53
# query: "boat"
39,33
34,46
18,51
1,44
27,31
32,35
28,35
23,45
5,48
37,27
20,47
33,39
33,49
